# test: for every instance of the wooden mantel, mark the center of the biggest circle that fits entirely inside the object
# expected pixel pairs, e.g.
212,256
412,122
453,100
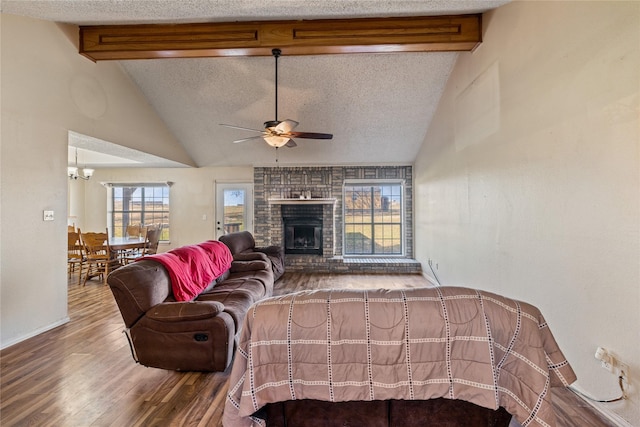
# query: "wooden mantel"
298,201
305,37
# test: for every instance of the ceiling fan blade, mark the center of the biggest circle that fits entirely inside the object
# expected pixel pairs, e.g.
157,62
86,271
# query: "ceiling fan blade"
247,139
240,127
286,126
311,135
291,144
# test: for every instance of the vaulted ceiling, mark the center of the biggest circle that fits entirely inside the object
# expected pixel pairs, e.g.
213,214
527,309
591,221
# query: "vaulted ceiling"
377,105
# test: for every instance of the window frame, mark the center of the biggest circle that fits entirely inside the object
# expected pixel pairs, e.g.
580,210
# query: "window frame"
403,218
112,212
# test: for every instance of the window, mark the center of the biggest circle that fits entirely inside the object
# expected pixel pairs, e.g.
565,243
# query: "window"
144,204
373,218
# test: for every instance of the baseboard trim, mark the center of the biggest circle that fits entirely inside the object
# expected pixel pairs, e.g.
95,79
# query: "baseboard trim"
605,412
430,279
34,333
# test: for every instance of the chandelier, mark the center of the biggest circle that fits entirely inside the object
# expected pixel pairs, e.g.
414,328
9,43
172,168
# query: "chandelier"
72,171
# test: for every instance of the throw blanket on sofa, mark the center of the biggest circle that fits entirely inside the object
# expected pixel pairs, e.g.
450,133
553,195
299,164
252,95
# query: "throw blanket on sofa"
412,344
193,267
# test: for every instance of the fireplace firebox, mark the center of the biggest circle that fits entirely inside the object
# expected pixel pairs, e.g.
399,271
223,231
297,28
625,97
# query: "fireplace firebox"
302,226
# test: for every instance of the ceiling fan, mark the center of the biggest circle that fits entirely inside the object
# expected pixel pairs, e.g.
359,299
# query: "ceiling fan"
279,133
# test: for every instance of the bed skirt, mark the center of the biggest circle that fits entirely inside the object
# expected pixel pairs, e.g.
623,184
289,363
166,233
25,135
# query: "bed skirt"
383,413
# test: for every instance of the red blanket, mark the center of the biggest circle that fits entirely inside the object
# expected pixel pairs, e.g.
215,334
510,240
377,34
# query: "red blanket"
193,267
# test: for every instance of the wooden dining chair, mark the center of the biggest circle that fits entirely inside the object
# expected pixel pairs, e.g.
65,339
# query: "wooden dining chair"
153,239
75,254
134,230
151,244
130,255
99,256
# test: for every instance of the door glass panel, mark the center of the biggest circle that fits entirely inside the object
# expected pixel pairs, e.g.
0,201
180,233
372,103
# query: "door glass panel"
234,210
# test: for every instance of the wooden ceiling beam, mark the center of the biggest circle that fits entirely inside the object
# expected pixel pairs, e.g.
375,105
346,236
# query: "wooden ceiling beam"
307,37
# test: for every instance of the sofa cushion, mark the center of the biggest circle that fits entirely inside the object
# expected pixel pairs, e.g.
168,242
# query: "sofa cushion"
253,286
265,277
250,256
179,311
236,302
253,265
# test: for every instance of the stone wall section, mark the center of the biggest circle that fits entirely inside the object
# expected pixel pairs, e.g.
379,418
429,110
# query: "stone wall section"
326,182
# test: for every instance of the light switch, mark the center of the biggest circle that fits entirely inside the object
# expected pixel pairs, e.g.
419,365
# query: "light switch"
47,216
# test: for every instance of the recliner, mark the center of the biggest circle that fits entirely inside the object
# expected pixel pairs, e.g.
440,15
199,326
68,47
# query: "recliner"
243,248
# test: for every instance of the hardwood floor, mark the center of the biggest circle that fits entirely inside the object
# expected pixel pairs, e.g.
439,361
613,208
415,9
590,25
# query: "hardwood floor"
82,373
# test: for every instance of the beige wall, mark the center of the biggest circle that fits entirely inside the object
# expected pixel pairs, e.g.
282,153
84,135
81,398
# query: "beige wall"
528,182
192,196
47,90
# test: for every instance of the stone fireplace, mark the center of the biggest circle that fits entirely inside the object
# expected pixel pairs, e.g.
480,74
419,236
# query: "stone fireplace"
300,209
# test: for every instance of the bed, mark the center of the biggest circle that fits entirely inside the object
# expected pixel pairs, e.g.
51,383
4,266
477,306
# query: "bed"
384,345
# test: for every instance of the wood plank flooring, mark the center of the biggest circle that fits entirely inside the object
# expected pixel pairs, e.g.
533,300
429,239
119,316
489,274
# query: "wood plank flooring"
82,373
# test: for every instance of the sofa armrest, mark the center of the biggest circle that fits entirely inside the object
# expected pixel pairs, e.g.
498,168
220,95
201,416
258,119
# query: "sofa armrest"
250,265
185,311
271,251
276,256
251,256
239,241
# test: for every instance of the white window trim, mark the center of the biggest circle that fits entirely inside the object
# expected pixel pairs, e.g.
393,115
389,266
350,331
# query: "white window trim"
110,185
374,181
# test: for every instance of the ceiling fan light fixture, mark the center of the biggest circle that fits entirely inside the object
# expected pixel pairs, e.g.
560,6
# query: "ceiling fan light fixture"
276,141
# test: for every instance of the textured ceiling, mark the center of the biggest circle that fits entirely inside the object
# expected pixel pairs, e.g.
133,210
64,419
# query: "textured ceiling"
378,106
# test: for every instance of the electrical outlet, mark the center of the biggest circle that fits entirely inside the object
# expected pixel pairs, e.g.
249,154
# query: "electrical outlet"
603,355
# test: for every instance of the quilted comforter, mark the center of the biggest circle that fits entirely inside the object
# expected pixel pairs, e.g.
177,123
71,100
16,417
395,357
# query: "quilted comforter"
413,344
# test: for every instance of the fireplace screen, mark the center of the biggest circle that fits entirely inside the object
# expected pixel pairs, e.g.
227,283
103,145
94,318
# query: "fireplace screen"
303,236
302,229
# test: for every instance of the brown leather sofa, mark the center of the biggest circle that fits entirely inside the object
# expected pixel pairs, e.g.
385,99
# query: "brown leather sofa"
243,247
197,335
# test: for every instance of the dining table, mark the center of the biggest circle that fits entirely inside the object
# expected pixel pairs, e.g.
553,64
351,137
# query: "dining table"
123,246
126,243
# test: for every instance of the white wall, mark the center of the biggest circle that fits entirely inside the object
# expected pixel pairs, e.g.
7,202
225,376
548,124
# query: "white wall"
48,89
528,182
191,196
